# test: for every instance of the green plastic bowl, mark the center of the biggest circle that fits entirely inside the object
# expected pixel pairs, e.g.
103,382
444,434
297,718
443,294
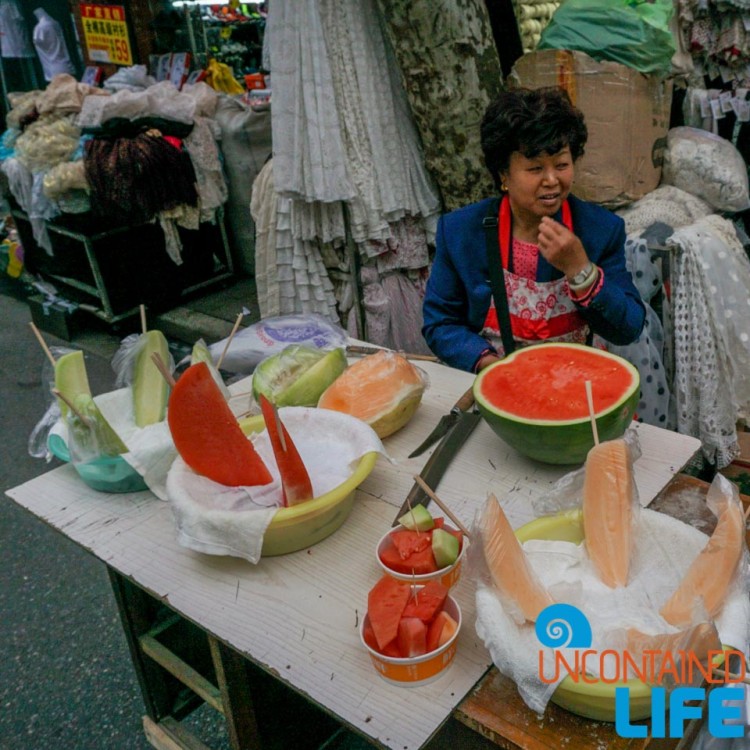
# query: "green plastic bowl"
106,474
595,701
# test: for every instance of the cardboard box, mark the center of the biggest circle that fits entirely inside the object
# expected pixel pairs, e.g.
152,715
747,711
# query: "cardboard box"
627,116
59,318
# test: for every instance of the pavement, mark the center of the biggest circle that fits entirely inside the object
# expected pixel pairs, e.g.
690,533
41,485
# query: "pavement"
66,680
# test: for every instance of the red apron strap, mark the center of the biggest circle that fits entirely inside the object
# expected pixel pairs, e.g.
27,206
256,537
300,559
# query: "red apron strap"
505,227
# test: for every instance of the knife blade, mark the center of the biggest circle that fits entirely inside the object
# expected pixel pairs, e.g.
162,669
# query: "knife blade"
437,463
446,422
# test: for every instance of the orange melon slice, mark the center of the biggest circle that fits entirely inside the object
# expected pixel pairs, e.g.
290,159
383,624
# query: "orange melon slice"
711,573
510,570
698,641
384,390
608,496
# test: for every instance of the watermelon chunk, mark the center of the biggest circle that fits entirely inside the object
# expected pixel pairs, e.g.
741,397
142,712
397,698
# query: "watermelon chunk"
408,542
412,637
441,630
426,601
207,435
385,603
418,563
295,481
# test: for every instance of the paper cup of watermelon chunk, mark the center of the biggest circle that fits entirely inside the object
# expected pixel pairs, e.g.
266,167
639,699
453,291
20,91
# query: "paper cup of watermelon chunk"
410,632
408,555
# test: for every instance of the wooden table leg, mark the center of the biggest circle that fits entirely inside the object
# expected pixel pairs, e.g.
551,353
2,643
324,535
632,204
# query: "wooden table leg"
233,679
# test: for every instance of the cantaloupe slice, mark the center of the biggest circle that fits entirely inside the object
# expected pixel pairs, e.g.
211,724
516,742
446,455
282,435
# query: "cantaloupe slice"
383,390
711,573
697,641
608,497
509,568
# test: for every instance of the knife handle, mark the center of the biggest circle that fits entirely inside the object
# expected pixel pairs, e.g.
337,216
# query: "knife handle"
465,402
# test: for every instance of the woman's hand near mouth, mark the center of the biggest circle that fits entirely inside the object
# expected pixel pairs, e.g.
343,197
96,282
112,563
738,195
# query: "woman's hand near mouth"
561,248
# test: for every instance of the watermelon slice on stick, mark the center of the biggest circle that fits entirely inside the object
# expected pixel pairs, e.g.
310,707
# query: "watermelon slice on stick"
295,481
207,435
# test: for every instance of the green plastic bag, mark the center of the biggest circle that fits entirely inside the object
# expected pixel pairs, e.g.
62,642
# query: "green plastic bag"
634,33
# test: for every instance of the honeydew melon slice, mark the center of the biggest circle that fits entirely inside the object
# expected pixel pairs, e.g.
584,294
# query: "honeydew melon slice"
297,375
201,353
71,380
150,389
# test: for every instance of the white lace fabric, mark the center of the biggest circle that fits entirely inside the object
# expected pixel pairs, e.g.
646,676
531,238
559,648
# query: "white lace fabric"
711,310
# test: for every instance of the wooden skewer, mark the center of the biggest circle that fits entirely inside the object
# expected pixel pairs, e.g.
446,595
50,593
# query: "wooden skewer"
448,512
42,343
143,319
70,406
592,417
229,340
734,677
163,369
358,349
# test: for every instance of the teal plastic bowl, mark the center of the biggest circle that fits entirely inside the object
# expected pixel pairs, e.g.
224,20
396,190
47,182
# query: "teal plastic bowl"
106,474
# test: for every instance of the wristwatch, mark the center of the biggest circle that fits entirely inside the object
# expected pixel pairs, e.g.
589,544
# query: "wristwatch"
584,276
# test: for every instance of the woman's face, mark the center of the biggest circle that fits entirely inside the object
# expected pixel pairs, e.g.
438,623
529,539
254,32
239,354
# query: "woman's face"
538,186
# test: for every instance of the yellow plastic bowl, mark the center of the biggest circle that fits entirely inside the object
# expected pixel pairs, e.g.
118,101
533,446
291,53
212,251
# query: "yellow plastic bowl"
596,701
303,525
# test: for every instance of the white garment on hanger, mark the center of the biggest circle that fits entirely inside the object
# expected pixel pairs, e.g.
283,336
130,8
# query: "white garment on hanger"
14,36
50,46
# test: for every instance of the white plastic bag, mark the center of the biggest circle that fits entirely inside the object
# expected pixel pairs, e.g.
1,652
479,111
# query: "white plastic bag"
707,166
269,336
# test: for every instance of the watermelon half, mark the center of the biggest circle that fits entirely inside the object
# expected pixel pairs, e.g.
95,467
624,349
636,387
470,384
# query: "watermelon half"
535,399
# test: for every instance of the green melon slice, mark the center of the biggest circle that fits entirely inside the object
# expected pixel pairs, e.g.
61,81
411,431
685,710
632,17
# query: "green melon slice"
535,399
150,389
71,380
298,375
201,353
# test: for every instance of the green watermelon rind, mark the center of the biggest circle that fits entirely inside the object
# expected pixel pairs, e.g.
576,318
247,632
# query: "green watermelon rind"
559,441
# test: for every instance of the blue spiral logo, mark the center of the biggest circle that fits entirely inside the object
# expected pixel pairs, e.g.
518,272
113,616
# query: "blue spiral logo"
563,626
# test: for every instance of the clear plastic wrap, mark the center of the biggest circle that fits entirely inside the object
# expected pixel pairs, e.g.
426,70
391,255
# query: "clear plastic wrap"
567,492
269,336
124,359
38,439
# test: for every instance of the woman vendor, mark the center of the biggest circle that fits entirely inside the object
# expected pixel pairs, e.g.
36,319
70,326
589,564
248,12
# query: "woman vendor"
561,259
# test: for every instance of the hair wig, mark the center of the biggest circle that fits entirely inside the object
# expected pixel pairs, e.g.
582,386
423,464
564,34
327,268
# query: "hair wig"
532,122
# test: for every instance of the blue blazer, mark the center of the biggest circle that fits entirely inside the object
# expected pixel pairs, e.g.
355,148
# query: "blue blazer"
458,293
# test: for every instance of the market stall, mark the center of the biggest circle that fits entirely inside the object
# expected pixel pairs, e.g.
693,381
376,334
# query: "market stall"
298,615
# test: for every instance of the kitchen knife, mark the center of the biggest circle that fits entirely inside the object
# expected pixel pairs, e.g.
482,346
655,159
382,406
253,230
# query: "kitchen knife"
437,463
446,422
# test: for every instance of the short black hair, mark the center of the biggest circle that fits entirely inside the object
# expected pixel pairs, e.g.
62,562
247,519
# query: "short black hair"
531,121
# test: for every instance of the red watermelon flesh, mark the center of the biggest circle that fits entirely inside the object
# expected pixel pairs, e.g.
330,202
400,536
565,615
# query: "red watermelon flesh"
207,435
385,603
408,542
427,601
412,637
295,481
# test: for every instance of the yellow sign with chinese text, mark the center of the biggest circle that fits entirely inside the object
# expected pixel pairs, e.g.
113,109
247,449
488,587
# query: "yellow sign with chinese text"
106,33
